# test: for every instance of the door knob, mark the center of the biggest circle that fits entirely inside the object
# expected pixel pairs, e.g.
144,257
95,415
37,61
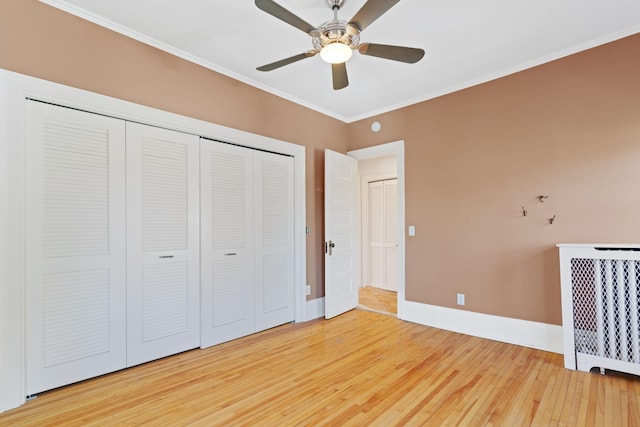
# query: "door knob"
328,246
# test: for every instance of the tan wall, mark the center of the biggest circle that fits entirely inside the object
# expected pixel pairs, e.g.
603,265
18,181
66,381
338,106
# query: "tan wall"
569,129
385,165
44,42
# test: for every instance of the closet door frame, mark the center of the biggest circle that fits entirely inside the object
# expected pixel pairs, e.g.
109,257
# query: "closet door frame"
15,88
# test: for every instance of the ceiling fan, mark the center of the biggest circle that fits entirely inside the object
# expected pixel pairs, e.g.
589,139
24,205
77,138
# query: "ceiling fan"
336,40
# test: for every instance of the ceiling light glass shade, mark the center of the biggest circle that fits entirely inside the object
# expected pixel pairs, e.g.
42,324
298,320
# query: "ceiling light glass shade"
336,53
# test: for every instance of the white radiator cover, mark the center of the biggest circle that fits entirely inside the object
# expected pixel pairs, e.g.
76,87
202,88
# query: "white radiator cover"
600,308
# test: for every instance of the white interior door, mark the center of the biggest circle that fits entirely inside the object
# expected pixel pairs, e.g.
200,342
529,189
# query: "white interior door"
76,248
341,233
227,258
163,288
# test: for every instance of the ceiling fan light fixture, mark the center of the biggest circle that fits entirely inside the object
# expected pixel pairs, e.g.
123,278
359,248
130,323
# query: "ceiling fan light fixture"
336,53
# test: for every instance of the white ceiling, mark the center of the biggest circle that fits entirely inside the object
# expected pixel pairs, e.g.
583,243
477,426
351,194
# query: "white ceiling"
467,42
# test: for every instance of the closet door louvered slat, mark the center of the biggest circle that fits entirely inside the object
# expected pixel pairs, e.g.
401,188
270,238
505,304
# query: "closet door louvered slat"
75,246
162,243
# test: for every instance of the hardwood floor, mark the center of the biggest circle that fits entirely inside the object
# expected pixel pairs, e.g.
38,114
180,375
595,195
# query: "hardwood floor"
372,298
360,369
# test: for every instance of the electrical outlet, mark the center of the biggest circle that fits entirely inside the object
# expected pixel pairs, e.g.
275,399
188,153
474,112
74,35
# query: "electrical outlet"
308,289
460,299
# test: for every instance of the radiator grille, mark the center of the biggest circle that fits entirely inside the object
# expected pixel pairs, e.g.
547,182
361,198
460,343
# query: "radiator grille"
605,307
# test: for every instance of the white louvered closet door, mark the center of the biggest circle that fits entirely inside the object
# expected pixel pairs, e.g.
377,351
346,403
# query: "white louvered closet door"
274,239
383,234
227,266
391,235
75,246
376,234
162,243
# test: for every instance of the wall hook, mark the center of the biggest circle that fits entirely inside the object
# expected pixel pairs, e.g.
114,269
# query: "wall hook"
552,219
542,198
524,211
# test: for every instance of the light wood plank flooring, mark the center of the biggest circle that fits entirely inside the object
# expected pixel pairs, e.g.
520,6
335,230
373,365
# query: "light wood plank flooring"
376,299
360,369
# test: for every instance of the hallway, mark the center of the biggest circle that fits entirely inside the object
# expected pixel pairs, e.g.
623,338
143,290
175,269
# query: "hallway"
378,300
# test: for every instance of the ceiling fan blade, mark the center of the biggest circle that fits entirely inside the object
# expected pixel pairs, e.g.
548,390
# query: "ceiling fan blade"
372,10
286,61
340,77
410,55
274,9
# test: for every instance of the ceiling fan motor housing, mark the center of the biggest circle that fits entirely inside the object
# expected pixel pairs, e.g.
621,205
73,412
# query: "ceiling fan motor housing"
334,31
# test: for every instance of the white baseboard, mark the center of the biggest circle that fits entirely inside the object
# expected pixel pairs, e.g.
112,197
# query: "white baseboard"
537,335
314,309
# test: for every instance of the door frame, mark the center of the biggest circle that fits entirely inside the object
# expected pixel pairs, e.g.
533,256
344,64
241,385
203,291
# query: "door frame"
392,148
15,88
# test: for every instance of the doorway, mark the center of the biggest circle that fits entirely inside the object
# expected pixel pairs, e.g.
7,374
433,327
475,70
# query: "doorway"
381,211
379,243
